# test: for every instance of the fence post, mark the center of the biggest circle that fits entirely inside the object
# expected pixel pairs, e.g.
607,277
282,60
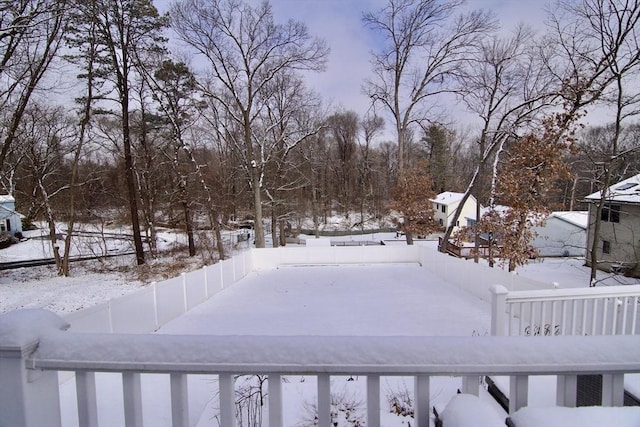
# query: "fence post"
206,282
28,398
155,304
184,292
518,392
498,309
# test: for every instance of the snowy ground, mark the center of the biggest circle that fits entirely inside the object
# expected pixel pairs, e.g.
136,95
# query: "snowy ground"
374,300
92,282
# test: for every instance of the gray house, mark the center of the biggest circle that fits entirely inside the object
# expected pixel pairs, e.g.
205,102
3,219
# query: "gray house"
563,234
10,220
619,237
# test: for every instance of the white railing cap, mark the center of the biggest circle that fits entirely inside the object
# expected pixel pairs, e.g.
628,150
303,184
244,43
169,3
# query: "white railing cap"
22,329
337,354
574,293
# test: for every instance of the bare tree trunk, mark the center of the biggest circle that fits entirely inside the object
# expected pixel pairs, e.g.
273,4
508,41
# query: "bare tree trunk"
52,227
274,226
37,70
188,221
283,238
130,177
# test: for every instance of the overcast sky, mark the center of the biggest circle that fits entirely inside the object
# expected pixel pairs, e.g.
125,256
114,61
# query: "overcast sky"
339,22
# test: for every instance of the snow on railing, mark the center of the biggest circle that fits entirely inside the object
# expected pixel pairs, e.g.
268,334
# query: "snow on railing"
33,349
34,346
612,310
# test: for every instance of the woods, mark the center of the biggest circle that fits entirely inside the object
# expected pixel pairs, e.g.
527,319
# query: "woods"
222,125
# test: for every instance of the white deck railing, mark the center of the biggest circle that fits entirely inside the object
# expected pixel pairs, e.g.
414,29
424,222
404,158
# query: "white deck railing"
610,310
39,347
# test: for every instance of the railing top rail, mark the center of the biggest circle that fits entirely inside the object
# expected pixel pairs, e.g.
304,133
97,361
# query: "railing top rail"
573,294
337,355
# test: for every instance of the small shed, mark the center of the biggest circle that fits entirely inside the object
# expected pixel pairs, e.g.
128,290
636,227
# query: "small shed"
564,234
10,220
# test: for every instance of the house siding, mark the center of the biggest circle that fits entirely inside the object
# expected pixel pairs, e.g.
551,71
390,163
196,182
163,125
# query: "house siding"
10,220
623,238
560,238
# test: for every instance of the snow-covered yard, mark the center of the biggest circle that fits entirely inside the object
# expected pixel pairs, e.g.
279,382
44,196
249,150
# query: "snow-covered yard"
374,300
93,283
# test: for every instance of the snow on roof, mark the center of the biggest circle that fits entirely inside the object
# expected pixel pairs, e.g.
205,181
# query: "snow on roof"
6,198
448,197
627,191
500,209
578,218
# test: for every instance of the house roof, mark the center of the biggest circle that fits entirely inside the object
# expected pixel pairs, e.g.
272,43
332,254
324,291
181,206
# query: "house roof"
449,197
577,218
4,198
627,191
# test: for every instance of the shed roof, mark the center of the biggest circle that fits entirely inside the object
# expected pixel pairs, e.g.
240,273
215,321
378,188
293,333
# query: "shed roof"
5,198
627,191
577,218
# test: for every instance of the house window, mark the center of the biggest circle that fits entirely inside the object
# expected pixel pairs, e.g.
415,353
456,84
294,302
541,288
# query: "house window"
606,247
610,213
443,208
441,221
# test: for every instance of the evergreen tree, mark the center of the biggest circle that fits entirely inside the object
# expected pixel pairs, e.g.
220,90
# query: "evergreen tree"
124,30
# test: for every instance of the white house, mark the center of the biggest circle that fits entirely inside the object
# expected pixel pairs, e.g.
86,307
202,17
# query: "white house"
564,234
618,245
10,220
445,205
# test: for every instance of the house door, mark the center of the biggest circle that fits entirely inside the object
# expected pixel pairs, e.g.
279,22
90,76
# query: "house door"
8,224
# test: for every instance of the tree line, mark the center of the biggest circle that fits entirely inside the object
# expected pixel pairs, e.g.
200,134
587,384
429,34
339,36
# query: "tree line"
149,141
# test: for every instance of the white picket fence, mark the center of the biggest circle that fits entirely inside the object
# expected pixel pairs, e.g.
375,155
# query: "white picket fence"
150,308
35,346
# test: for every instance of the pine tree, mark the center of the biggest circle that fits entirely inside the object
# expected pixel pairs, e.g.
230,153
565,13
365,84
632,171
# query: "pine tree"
123,29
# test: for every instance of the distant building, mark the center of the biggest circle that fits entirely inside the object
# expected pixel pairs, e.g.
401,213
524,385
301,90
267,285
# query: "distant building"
10,220
445,205
563,234
618,247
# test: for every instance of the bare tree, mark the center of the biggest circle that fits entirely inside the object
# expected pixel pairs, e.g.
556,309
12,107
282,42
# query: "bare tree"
616,25
289,120
595,51
371,126
344,127
424,46
245,50
506,84
47,137
30,35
